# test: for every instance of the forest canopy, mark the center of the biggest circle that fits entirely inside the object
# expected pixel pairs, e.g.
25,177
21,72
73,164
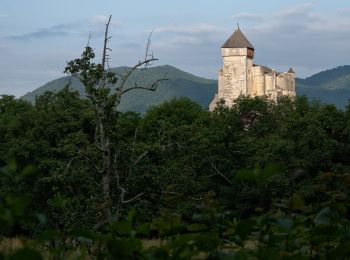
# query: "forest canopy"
208,183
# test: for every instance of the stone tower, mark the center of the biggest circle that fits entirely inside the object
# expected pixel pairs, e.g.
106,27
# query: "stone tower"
238,54
240,76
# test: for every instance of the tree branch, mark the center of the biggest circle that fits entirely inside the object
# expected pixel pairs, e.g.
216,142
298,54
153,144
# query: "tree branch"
122,196
181,194
105,44
140,157
153,87
131,71
70,163
148,46
220,173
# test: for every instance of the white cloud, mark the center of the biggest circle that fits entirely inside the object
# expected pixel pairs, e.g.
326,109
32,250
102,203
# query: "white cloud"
101,20
296,10
301,37
193,30
93,24
345,11
248,17
297,36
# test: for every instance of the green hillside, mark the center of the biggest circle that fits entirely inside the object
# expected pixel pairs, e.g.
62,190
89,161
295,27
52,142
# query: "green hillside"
330,86
179,84
336,78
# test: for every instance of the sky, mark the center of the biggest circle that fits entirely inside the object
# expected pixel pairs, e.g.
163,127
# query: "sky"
38,37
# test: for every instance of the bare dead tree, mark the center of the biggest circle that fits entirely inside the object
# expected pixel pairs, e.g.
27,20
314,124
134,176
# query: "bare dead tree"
105,90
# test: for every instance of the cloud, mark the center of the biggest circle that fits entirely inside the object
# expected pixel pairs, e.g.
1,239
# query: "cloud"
345,11
4,15
93,24
101,20
297,35
186,37
248,17
296,10
301,37
192,30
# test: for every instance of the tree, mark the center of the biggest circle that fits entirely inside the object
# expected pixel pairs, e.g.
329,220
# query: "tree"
105,91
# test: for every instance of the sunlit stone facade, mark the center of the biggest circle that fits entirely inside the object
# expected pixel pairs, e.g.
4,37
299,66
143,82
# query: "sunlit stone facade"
240,76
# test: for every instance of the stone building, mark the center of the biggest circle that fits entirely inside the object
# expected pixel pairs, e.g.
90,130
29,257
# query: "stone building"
240,76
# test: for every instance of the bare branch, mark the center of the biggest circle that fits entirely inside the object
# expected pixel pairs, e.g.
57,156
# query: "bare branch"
135,136
105,43
131,71
153,87
100,224
89,40
181,194
139,158
94,165
148,46
220,173
70,163
122,196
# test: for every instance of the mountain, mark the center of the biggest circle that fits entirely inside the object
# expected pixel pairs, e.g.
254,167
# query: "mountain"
330,86
179,84
337,78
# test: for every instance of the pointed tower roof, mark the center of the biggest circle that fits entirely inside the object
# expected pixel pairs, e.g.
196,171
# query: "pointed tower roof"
291,70
237,40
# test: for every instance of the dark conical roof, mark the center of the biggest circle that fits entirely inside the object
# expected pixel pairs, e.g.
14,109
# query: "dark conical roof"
291,70
237,40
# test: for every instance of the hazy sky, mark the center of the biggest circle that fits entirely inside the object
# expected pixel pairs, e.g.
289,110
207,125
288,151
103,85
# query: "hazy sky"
37,37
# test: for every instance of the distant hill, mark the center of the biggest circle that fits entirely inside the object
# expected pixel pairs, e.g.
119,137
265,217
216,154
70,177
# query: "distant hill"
330,86
179,84
337,78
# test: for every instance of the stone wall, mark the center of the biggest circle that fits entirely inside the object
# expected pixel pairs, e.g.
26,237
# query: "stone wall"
239,76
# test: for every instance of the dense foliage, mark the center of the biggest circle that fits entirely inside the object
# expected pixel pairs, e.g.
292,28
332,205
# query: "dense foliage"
261,180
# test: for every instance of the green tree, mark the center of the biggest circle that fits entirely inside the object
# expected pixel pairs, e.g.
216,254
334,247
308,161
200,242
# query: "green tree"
105,91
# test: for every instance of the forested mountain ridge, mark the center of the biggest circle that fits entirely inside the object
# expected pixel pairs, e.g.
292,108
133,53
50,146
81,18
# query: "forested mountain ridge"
336,78
330,86
179,84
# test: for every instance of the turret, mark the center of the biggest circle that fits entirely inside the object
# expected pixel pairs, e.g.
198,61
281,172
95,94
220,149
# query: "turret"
236,76
237,45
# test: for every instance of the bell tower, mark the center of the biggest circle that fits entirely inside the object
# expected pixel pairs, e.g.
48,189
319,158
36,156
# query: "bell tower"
235,78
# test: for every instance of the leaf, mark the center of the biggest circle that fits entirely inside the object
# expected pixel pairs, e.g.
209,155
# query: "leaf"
286,224
42,218
83,235
59,201
297,202
131,215
207,241
244,228
143,229
342,250
47,236
12,165
270,171
28,171
123,228
195,227
246,175
323,217
26,254
124,248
